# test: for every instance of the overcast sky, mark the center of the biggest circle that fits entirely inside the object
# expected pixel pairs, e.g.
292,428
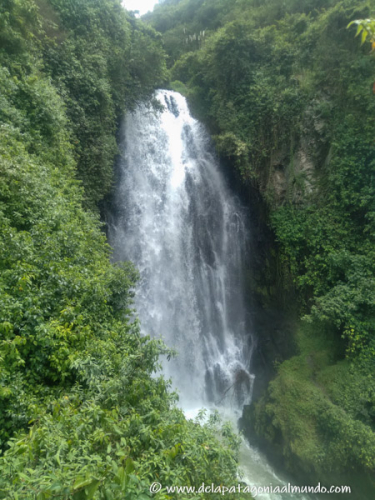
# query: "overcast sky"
142,5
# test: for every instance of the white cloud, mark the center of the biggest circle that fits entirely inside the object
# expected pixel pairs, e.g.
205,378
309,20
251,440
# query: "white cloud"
142,5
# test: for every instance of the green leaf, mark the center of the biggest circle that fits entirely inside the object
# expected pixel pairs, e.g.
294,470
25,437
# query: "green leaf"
364,36
81,482
129,466
92,488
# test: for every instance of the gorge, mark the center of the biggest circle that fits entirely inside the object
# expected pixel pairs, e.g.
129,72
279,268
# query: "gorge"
175,217
249,217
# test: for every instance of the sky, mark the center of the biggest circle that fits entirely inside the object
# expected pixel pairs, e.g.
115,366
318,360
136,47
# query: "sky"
142,5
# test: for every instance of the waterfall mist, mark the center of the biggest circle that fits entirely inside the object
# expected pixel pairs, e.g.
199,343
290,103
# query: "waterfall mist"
186,233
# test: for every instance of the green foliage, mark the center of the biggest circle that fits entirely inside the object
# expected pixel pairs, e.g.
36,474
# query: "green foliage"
287,95
323,409
82,413
86,450
101,61
179,87
179,20
18,20
107,63
57,285
367,28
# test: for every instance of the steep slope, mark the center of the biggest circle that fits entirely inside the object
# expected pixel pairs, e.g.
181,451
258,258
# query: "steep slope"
286,92
82,413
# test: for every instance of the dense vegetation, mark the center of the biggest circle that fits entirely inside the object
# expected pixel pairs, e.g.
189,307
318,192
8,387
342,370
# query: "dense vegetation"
286,91
82,413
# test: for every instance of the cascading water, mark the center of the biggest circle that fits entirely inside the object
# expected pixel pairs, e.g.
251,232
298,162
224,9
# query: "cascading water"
186,233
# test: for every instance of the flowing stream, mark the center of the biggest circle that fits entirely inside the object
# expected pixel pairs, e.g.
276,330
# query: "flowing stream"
177,220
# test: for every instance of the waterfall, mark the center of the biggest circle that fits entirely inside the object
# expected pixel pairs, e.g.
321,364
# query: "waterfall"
179,223
186,233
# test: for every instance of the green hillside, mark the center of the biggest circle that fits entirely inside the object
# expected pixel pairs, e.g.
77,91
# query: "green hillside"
82,413
286,92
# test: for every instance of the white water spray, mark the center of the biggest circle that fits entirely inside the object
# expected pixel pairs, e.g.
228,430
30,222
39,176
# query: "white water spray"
187,236
186,233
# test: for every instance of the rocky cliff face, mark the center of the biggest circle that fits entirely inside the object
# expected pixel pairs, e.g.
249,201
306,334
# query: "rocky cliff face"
294,169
